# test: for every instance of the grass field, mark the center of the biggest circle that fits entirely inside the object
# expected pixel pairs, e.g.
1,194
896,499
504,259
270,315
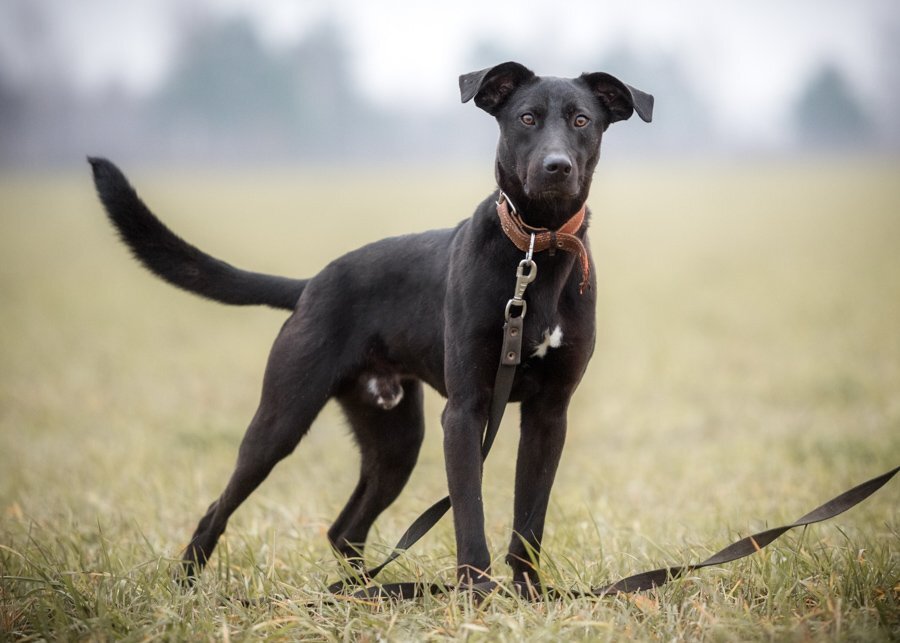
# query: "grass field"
747,369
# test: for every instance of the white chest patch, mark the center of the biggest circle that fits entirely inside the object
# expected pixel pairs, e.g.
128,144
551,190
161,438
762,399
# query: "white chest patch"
552,339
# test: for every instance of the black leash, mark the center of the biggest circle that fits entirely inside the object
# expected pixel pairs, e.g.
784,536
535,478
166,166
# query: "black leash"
645,580
748,545
510,357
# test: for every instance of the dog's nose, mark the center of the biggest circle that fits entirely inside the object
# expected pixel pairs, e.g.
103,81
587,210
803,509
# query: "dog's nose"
557,163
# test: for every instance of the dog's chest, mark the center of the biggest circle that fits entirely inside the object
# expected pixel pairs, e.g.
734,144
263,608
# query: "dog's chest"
551,338
546,331
547,327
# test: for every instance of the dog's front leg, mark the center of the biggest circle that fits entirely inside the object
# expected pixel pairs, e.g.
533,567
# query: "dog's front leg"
540,447
463,420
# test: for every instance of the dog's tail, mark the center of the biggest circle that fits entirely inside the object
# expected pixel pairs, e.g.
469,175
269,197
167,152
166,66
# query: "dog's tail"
172,258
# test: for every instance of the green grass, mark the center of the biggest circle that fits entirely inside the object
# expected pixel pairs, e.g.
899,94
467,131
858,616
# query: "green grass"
747,369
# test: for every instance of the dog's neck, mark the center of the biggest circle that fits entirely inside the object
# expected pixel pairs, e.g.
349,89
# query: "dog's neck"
507,210
531,239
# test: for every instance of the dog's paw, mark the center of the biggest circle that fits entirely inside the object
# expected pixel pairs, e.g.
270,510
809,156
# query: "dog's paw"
184,573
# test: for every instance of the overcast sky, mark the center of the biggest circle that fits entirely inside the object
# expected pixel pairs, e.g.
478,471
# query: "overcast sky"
746,58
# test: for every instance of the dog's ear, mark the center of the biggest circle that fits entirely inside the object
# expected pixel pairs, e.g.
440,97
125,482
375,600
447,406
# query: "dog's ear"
620,100
492,86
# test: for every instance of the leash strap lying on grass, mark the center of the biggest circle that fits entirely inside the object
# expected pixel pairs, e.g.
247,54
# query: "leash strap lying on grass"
750,544
657,577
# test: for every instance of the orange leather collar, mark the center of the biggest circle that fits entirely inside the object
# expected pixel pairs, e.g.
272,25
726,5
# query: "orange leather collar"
563,238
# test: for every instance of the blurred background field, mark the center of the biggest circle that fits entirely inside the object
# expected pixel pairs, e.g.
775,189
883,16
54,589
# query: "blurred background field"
747,369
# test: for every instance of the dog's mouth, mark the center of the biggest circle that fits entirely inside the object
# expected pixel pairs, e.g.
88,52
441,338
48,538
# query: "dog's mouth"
551,190
549,194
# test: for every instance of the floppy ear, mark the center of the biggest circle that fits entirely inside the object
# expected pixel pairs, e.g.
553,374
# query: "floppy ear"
492,86
620,99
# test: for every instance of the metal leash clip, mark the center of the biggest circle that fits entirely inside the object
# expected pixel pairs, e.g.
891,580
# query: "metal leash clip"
525,274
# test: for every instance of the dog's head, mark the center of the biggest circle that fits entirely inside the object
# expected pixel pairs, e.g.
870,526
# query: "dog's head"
550,132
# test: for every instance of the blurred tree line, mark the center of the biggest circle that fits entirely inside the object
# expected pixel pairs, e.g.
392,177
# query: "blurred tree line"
229,99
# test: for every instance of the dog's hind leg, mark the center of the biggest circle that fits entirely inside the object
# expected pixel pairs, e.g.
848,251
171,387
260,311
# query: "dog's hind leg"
389,442
297,383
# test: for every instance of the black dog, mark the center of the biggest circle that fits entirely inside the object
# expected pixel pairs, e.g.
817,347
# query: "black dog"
377,322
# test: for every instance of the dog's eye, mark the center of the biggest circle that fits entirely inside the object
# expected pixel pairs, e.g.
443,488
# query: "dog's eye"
581,120
528,119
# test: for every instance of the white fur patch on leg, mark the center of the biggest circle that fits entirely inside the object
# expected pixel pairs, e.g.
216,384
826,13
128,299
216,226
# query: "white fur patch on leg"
551,340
